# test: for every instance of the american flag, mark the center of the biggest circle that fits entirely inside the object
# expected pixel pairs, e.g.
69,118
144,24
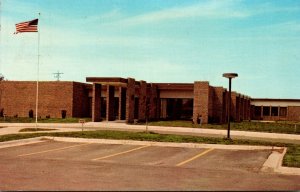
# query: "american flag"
28,26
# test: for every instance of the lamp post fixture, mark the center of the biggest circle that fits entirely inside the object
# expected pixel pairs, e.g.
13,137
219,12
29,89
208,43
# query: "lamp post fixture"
229,76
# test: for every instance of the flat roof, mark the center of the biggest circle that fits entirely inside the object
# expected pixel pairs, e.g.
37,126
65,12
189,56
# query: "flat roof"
177,86
273,99
106,79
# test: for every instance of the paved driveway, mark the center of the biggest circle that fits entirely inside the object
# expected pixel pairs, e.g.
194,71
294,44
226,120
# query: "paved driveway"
52,165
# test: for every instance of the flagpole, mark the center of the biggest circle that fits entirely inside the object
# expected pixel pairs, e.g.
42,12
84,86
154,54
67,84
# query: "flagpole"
37,81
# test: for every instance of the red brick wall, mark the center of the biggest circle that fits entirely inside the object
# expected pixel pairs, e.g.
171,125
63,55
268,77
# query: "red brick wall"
233,105
201,100
130,100
293,113
110,96
96,102
245,109
242,108
142,101
153,102
238,108
249,108
225,106
122,103
81,105
18,97
211,98
217,104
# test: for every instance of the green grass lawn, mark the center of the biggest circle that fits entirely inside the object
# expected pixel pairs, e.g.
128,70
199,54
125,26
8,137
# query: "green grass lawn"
35,129
291,159
271,127
40,120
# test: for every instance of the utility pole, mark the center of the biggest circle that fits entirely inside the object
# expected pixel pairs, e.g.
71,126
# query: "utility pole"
57,75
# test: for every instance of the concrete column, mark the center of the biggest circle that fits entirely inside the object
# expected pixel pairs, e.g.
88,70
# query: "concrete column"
163,106
238,108
130,100
110,99
122,103
153,102
142,101
249,108
245,108
218,104
225,100
201,100
242,108
157,104
96,101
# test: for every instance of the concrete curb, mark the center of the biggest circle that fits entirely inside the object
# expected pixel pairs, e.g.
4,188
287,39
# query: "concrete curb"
21,142
162,144
286,170
274,164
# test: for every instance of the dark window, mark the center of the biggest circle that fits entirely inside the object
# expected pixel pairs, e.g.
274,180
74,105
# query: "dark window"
103,107
136,108
266,111
187,109
170,108
274,111
2,112
257,111
116,107
63,114
30,113
283,111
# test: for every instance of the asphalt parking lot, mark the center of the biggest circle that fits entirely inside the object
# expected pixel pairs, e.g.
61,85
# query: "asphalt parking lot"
53,165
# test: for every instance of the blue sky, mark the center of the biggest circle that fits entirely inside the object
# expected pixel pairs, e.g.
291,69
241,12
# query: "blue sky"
158,41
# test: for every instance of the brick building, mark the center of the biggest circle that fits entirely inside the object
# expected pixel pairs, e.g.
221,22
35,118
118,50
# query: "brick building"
56,99
127,99
276,109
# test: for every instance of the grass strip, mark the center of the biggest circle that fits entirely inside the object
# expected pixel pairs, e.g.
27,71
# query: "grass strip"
269,127
291,159
35,129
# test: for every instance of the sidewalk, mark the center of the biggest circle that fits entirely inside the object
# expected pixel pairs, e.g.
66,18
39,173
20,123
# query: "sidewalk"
13,128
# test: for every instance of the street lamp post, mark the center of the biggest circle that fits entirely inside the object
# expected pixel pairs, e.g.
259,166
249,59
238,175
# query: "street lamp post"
229,76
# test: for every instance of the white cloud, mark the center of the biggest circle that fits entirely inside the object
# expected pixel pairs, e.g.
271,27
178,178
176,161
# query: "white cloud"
209,9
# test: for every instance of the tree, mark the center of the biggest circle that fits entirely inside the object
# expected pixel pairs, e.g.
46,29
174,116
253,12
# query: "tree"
1,77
